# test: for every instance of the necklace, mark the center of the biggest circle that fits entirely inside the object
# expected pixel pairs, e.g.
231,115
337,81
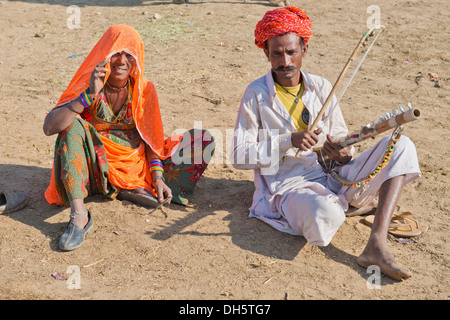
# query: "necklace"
117,119
295,96
115,89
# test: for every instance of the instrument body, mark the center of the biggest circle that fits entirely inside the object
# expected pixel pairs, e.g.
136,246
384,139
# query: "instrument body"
372,130
385,123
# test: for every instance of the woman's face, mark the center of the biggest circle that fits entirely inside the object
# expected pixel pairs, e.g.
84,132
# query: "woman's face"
122,64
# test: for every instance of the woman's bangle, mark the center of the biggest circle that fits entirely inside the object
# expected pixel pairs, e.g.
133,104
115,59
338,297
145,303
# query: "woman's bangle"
156,165
85,98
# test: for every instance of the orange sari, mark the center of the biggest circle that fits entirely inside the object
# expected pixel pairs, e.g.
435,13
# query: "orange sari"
128,167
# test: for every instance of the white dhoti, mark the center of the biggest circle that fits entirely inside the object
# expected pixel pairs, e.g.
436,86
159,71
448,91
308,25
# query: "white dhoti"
316,209
403,161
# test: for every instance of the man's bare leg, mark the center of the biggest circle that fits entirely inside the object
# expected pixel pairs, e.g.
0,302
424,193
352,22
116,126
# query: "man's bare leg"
376,251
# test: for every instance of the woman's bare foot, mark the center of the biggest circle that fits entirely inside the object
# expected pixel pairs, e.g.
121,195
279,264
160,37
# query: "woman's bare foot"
142,191
79,213
80,220
377,253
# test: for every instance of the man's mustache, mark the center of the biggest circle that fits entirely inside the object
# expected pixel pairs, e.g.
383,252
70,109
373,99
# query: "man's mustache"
282,68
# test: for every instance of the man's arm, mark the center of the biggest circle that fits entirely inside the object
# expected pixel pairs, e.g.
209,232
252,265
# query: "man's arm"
253,146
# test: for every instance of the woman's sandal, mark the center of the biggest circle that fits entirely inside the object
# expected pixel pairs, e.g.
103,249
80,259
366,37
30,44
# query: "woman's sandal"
140,197
12,201
73,236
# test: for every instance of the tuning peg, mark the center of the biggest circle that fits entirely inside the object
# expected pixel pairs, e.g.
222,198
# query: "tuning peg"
402,109
387,115
381,118
410,105
394,112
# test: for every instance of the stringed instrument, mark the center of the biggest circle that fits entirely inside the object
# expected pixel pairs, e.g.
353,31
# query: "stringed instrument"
383,124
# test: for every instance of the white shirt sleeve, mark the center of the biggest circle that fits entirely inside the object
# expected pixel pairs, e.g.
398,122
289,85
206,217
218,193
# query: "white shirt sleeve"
253,146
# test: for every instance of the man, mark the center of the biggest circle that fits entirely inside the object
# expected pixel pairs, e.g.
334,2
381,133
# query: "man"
294,194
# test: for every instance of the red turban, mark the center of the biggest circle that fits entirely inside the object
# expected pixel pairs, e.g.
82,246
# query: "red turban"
280,21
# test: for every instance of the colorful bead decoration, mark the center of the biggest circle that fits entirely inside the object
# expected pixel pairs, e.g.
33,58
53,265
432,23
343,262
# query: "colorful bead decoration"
383,163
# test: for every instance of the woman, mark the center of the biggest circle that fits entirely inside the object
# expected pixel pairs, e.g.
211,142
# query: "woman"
110,136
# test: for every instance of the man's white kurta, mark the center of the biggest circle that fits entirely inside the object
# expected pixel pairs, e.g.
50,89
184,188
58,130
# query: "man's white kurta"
294,194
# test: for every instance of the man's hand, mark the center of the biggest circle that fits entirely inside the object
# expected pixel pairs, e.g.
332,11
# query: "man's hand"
335,152
305,140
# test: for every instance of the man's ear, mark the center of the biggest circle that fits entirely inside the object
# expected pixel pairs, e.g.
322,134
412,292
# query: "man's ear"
266,51
305,49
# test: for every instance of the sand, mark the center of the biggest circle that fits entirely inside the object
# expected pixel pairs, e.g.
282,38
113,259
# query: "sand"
201,57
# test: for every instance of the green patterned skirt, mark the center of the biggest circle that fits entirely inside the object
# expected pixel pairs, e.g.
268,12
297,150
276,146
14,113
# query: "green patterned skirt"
81,165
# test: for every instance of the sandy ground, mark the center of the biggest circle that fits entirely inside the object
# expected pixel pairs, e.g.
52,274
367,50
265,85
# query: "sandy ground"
211,249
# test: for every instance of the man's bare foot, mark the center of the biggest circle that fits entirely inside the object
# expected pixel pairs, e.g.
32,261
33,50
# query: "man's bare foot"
379,255
354,211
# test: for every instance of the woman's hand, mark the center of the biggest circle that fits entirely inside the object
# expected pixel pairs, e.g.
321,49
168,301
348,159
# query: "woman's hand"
163,191
97,78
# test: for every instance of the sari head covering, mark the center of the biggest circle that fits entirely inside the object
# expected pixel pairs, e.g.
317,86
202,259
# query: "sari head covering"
280,21
128,167
145,108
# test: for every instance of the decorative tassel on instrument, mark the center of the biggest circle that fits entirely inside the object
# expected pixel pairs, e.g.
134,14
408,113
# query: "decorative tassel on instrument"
384,161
